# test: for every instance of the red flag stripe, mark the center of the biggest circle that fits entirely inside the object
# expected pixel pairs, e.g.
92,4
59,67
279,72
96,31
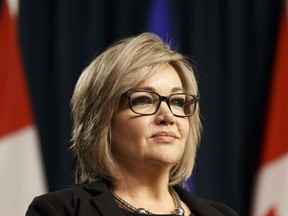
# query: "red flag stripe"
20,158
13,91
271,189
271,213
276,135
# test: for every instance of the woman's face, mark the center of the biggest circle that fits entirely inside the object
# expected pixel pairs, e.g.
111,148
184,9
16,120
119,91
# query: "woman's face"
155,139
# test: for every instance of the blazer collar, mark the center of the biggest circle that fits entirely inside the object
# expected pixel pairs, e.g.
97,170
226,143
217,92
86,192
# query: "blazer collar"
196,205
103,200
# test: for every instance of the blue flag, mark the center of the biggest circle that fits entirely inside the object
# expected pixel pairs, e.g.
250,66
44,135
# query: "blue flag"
160,23
160,19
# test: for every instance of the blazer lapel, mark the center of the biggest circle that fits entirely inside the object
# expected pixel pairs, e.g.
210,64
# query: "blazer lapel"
196,205
103,200
106,205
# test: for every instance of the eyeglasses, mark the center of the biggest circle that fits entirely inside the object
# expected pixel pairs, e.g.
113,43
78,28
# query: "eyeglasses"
147,103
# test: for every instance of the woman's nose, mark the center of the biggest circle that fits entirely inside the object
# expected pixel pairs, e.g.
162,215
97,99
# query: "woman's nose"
164,114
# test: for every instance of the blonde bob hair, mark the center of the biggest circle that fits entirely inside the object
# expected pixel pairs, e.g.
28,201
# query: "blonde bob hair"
96,99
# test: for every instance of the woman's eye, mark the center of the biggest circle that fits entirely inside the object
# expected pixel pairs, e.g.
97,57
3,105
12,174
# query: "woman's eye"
141,100
179,102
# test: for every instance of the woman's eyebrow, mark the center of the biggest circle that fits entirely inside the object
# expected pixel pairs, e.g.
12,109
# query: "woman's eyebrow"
148,88
177,89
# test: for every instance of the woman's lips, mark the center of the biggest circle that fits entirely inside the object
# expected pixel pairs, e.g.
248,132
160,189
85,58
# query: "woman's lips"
165,136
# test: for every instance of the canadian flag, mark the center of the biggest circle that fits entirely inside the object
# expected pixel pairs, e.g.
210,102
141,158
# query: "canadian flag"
271,189
21,171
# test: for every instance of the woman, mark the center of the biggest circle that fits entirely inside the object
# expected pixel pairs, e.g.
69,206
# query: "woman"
135,135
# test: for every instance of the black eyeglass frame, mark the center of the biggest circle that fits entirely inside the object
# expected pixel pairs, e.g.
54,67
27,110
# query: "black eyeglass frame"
161,98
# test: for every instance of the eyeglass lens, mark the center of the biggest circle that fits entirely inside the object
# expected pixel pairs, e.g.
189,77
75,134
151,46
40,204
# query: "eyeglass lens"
148,103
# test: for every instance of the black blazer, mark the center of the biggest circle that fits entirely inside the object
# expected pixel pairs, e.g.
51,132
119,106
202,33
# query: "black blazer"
95,199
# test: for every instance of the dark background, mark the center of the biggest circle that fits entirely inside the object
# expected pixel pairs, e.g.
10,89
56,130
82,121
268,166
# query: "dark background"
231,43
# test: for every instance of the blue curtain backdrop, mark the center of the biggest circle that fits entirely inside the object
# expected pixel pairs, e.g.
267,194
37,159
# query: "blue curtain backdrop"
231,45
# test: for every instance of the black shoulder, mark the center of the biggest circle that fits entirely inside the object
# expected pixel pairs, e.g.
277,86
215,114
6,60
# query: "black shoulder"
204,207
61,202
76,200
221,207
